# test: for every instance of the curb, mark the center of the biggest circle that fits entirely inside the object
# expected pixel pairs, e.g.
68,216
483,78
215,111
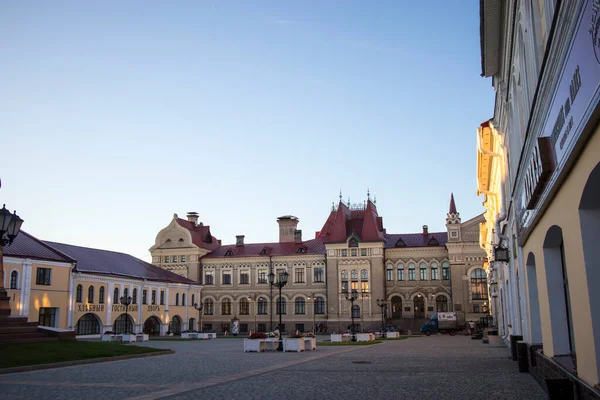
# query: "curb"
28,368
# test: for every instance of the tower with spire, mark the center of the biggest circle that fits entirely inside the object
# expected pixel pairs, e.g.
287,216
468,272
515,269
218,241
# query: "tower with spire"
453,222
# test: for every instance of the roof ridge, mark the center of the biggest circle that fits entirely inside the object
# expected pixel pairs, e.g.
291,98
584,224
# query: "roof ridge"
43,243
88,248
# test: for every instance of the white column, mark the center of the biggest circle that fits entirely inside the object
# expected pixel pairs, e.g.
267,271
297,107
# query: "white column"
70,305
140,290
109,304
26,268
187,308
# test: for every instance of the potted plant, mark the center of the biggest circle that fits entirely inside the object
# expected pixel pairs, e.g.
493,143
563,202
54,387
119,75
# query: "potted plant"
108,336
294,342
255,342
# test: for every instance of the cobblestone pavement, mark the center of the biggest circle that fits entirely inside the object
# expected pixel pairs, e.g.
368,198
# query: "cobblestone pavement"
437,367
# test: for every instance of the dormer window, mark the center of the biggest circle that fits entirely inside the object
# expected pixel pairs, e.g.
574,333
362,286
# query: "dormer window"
353,243
301,250
264,251
400,243
433,242
228,253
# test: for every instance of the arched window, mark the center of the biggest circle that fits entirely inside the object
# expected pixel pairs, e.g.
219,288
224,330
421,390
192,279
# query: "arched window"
244,306
126,293
183,299
354,275
262,306
226,307
320,305
115,299
123,324
87,325
281,306
91,294
445,271
14,276
193,299
101,295
364,275
176,299
209,307
356,311
400,272
134,297
300,306
79,294
389,271
434,272
364,281
423,271
479,284
441,303
411,272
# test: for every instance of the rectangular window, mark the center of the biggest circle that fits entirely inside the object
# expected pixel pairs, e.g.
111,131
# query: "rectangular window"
182,258
434,274
208,327
226,278
318,274
423,272
262,276
390,274
144,296
411,274
300,327
244,278
262,327
244,328
162,297
48,316
344,253
363,252
354,286
345,286
299,275
400,274
43,276
209,278
446,274
166,259
364,287
154,297
353,252
174,259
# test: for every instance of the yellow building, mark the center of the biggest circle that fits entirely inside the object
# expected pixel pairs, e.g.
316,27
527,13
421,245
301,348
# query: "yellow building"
69,287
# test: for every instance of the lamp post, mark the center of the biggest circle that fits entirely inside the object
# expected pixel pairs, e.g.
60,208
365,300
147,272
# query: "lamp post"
281,282
252,296
313,297
351,297
198,307
126,301
10,225
383,304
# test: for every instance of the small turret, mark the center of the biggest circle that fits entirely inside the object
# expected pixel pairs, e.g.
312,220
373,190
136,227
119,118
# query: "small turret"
453,221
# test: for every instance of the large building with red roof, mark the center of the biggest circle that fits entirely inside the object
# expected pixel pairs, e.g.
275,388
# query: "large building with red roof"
415,274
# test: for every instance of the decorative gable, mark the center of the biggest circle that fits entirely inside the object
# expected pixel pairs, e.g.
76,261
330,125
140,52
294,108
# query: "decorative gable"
433,242
229,253
400,243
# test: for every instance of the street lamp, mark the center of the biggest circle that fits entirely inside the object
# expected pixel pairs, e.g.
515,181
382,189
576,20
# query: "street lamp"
351,297
252,296
281,282
313,297
10,225
198,307
383,304
126,301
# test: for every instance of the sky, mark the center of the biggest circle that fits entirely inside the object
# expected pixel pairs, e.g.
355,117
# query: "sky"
116,115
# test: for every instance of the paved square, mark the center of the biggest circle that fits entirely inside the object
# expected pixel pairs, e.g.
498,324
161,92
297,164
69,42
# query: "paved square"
437,367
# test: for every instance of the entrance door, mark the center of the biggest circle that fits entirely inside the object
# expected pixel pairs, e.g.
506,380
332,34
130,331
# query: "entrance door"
419,302
152,326
396,307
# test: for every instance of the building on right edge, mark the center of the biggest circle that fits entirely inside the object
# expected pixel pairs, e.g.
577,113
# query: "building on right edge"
539,170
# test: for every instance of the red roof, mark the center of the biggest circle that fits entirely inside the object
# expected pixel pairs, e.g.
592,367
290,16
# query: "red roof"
201,235
416,239
366,224
314,246
27,246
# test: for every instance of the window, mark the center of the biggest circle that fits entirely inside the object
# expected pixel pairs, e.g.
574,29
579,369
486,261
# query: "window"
445,271
183,299
400,243
281,306
116,296
226,307
87,325
13,279
176,299
353,252
353,243
363,252
144,296
79,294
299,273
154,297
244,306
91,294
207,327
423,271
134,297
344,253
300,327
320,305
226,278
229,253
166,259
193,299
262,276
400,272
162,298
411,272
441,303
244,278
101,295
364,287
354,286
356,311
354,275
209,278
318,274
174,259
43,276
122,324
434,272
390,272
344,281
192,324
182,259
301,250
244,328
300,306
126,292
479,284
364,275
475,308
262,306
262,327
47,317
209,307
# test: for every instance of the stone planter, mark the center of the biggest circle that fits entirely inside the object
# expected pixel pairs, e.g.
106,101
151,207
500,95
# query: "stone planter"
141,337
336,337
107,338
190,335
392,335
293,344
272,344
128,337
254,345
365,337
310,343
207,335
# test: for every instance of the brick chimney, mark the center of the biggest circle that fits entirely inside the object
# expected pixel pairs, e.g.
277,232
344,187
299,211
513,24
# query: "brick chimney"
298,236
425,230
287,226
193,217
239,240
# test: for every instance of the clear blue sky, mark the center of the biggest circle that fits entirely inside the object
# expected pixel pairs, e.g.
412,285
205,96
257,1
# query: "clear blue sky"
115,115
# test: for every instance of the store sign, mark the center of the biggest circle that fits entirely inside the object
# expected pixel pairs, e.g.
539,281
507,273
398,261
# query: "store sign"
121,308
90,307
539,169
152,308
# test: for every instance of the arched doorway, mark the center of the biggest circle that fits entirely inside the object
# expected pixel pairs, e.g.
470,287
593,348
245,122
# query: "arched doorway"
152,326
441,303
175,325
419,304
396,307
534,302
88,324
124,324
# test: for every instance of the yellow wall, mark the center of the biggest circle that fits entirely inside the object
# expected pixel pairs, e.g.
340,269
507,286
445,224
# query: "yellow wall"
54,295
15,295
